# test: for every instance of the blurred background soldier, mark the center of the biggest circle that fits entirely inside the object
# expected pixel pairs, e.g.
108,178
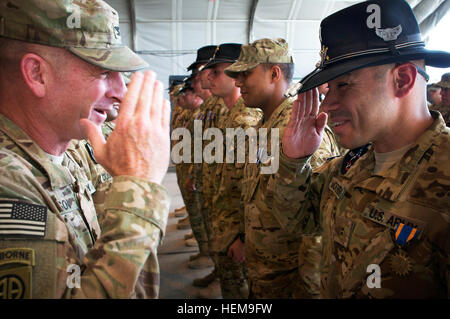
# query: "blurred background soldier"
434,97
444,106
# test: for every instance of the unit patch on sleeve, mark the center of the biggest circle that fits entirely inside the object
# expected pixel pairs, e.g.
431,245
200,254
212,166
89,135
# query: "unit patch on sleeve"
22,219
15,273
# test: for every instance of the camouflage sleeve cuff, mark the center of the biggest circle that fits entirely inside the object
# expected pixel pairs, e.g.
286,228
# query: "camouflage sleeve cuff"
140,197
291,168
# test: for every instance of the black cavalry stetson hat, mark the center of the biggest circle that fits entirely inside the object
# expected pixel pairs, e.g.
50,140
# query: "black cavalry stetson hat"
225,53
368,34
187,84
204,54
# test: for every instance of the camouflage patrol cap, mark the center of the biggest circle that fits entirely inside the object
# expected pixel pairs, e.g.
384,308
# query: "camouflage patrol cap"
445,81
260,51
87,28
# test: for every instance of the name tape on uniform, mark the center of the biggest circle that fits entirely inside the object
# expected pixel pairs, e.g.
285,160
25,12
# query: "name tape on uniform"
388,219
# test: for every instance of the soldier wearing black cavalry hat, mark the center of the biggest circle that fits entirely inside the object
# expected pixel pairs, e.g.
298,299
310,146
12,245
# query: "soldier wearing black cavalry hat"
382,209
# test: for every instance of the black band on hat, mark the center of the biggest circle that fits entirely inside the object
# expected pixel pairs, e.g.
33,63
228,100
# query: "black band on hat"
225,53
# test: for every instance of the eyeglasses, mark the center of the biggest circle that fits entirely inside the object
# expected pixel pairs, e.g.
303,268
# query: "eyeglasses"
422,73
419,70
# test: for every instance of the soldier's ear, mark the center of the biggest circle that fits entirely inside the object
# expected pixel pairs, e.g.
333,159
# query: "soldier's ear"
276,73
34,71
405,77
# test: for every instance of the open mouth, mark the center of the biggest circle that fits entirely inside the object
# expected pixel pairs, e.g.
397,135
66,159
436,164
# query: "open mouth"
338,125
102,112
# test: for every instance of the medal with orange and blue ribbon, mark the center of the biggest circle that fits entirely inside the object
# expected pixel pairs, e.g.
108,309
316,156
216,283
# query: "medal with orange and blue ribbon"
404,233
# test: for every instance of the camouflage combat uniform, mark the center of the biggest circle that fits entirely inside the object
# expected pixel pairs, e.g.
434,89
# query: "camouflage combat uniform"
209,178
272,254
194,197
208,113
444,110
225,215
107,129
397,220
182,169
113,243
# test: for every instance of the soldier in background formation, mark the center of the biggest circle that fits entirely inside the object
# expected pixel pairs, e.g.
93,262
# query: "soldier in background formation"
263,73
224,215
443,106
203,175
434,95
54,221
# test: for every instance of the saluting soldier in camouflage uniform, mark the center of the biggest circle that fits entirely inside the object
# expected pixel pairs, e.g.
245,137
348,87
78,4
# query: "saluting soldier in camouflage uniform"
54,243
383,208
444,108
224,215
263,72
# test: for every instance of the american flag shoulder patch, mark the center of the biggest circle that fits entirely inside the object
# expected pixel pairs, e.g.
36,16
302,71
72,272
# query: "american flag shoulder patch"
22,219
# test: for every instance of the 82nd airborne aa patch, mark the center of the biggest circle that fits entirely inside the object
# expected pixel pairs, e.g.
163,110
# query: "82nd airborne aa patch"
15,273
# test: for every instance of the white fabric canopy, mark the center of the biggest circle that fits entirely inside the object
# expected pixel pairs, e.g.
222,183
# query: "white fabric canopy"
167,33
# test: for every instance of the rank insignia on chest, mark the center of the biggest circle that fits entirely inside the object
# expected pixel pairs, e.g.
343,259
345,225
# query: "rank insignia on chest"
91,152
352,156
404,233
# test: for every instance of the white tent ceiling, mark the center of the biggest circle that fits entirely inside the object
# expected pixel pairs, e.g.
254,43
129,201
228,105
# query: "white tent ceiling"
167,33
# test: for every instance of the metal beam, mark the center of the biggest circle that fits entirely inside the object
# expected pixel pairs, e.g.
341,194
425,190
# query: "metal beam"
132,13
433,19
425,8
251,19
214,18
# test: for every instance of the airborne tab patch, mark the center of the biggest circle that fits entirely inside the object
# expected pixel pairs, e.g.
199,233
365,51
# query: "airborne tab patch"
22,219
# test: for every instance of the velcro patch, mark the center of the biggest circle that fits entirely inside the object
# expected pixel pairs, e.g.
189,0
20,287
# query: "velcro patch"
15,283
17,256
22,219
91,152
337,188
388,219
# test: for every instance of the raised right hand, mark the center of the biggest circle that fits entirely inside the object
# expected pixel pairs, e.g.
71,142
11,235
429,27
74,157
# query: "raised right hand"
140,143
303,134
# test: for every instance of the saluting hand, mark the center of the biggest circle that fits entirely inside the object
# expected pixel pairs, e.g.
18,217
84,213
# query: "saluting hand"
303,133
140,143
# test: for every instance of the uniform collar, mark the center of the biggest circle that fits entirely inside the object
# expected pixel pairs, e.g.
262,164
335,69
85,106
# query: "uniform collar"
392,182
59,175
275,114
